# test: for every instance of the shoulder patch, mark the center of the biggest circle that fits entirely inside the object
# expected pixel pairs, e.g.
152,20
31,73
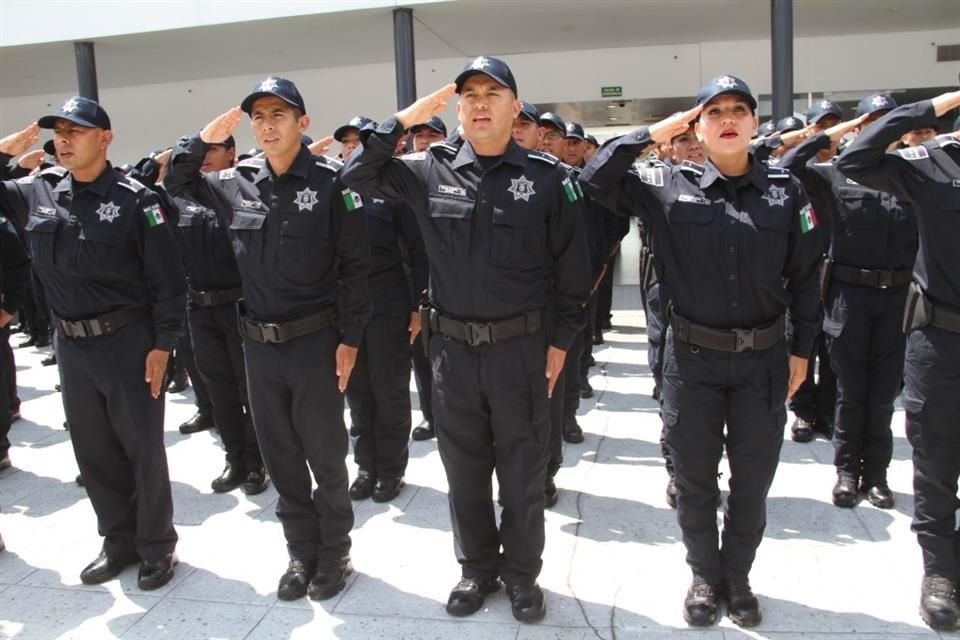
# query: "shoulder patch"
914,153
228,174
419,155
444,145
53,171
256,163
131,185
26,180
947,139
692,167
330,163
543,157
329,166
652,176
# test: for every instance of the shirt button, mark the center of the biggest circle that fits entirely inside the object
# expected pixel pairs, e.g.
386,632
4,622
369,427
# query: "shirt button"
733,277
732,250
732,221
733,304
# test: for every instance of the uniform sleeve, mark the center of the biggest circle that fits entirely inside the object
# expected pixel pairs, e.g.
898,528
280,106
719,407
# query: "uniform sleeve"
805,251
866,160
184,179
162,270
353,266
609,177
15,268
13,203
416,250
372,170
567,245
815,177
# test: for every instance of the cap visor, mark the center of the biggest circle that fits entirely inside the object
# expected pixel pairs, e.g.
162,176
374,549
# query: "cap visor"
342,131
746,96
465,75
247,103
48,122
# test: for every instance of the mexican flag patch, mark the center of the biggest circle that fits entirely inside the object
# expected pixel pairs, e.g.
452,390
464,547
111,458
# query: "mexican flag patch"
351,199
569,189
154,215
808,219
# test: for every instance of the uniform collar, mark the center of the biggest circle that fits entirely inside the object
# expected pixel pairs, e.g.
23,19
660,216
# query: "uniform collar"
757,174
100,186
299,168
514,155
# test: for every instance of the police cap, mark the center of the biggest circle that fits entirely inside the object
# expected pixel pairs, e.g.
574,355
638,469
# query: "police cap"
49,149
574,130
79,110
492,67
766,128
275,86
788,124
549,118
822,108
589,137
875,102
529,112
723,85
434,123
356,122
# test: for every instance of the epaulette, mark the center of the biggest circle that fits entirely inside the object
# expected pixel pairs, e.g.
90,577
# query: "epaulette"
328,163
254,163
652,175
544,157
914,153
26,180
53,171
945,139
417,155
443,146
778,173
130,184
228,174
692,167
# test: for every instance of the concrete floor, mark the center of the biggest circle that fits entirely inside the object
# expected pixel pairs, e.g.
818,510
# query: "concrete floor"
613,565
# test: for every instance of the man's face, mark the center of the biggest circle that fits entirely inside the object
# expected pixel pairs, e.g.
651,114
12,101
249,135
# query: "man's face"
589,151
918,136
424,137
553,141
276,127
527,133
486,110
726,125
686,147
218,158
79,147
573,151
349,142
826,122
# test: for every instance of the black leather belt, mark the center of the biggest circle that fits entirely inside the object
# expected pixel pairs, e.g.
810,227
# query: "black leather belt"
876,278
730,340
215,298
479,333
105,325
946,320
277,332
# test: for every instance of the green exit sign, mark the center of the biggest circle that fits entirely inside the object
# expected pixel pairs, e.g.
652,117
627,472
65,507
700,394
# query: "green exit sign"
611,92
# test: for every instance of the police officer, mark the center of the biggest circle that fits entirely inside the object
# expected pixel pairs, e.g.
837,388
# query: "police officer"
111,270
426,133
498,226
590,148
725,356
379,390
928,176
303,255
873,244
14,276
348,135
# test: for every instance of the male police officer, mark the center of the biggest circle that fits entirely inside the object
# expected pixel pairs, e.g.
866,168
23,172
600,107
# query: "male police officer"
928,176
303,256
348,135
426,133
725,358
873,244
503,243
112,274
14,276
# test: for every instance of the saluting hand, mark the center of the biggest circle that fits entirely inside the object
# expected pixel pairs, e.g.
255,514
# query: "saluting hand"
794,138
426,107
837,131
16,143
346,359
156,368
321,146
32,160
798,373
555,360
220,128
669,128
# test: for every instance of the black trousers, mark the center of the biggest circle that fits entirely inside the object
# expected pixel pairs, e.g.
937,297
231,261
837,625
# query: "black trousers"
298,416
5,398
932,404
656,301
379,396
866,345
816,399
423,378
605,297
571,382
9,366
703,390
218,352
493,415
117,433
184,358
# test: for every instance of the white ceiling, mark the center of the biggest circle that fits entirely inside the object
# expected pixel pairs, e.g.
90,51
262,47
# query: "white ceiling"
463,28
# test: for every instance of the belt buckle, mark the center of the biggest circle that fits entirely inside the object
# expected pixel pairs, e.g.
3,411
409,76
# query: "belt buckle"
744,339
885,281
270,332
479,333
73,329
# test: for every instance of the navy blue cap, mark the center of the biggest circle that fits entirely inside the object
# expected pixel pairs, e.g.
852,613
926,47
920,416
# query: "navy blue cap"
492,67
876,102
822,108
552,119
766,128
229,143
356,122
574,130
591,139
434,123
82,111
305,139
790,123
49,149
529,112
274,86
723,85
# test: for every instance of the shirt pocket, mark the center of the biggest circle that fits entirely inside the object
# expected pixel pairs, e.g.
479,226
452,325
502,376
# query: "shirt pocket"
105,252
246,231
691,224
518,237
42,235
380,227
450,224
772,237
303,242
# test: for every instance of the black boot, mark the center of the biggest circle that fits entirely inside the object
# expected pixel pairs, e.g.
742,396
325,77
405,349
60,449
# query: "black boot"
700,604
742,606
878,493
801,430
231,478
938,603
845,491
199,422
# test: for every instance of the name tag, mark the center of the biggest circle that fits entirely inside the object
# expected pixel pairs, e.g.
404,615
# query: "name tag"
694,199
448,190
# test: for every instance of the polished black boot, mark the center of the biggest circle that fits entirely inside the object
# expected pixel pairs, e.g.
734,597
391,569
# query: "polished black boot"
155,573
845,491
742,606
526,602
938,603
231,478
294,581
329,579
199,422
801,430
467,597
362,488
700,604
